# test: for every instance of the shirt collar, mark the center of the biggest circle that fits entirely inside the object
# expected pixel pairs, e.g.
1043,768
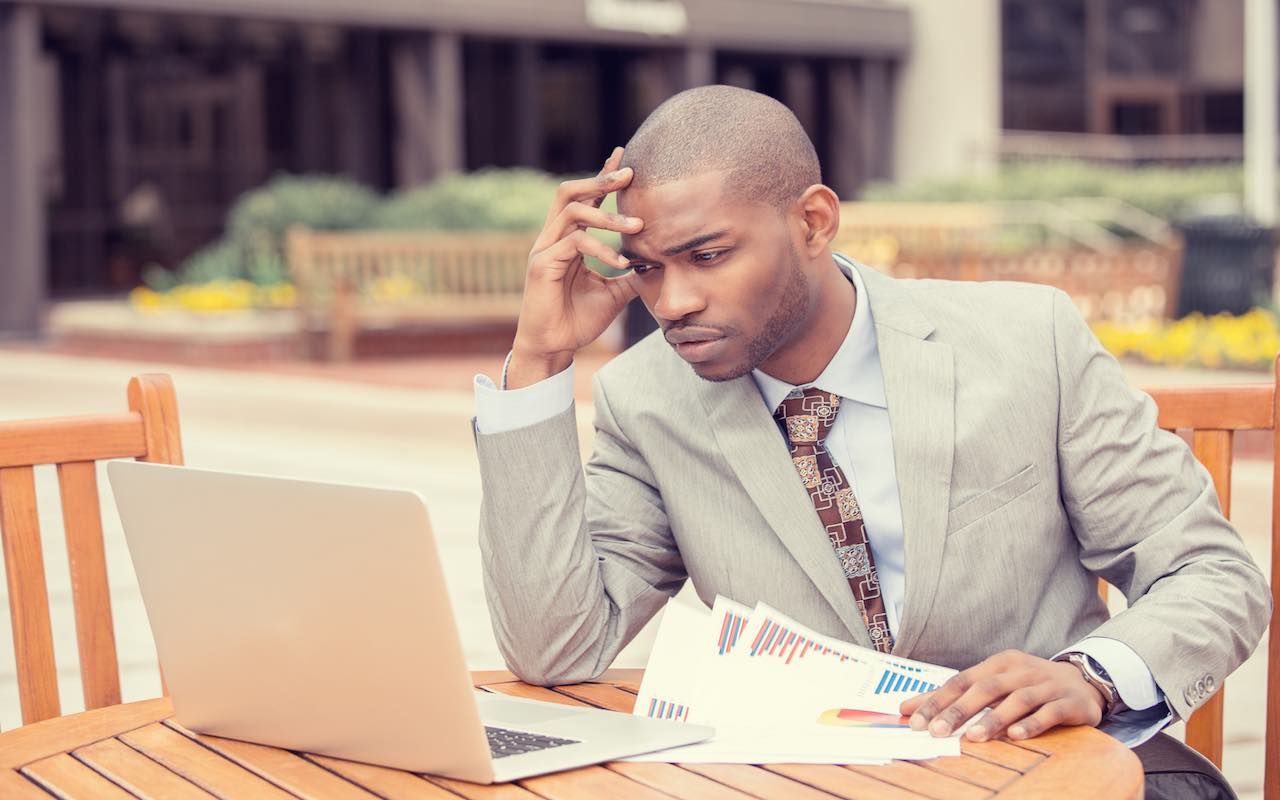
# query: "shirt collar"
854,371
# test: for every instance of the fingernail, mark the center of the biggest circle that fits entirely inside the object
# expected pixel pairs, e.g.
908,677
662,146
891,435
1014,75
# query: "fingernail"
631,220
977,733
940,728
1017,731
918,722
624,261
618,174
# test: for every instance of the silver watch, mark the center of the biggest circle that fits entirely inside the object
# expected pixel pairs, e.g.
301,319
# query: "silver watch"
1098,678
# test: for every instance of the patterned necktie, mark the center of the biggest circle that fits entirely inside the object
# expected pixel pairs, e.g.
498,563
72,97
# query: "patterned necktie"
806,419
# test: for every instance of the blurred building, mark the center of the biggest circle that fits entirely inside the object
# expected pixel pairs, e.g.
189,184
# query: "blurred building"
1089,70
128,127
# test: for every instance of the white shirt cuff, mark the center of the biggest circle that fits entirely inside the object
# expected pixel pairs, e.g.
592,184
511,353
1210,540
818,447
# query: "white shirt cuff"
1128,671
499,411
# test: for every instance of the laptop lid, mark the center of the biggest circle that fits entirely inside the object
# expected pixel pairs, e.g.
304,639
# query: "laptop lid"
304,615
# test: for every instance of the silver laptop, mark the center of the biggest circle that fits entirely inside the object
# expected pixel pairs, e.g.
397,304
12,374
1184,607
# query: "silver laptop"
314,617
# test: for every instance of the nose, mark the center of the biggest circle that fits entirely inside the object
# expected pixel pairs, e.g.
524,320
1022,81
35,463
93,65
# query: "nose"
678,297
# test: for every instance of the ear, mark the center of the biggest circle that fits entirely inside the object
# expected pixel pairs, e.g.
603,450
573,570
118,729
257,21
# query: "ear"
818,213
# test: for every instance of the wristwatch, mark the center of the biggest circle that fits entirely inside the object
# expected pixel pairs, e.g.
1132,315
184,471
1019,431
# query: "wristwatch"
1098,678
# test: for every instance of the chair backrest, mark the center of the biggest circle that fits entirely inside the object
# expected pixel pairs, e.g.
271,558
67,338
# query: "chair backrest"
148,432
1213,414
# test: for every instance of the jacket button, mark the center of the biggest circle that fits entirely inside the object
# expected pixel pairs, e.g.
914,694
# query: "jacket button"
1209,683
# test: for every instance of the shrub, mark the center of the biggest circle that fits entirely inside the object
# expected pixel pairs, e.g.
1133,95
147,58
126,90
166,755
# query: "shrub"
1164,191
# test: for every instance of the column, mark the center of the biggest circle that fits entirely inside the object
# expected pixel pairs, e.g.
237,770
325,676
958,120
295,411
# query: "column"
877,118
846,146
528,105
22,213
427,81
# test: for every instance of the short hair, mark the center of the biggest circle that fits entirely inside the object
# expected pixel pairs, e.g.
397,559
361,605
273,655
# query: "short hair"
753,137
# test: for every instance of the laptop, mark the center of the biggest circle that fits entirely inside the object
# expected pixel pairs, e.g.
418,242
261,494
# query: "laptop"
315,617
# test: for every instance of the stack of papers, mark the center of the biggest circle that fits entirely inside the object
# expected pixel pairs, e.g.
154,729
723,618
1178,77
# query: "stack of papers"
779,692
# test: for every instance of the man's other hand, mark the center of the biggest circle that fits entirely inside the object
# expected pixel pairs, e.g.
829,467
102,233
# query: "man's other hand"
1025,695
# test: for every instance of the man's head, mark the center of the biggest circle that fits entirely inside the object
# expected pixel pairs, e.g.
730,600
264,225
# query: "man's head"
734,250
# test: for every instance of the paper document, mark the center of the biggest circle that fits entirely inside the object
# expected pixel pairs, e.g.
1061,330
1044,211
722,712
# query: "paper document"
777,691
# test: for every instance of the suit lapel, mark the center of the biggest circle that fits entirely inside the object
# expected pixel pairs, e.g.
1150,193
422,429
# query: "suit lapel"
919,385
754,448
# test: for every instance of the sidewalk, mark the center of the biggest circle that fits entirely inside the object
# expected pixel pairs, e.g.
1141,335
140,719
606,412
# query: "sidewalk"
402,424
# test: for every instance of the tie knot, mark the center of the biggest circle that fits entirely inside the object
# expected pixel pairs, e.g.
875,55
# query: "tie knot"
807,416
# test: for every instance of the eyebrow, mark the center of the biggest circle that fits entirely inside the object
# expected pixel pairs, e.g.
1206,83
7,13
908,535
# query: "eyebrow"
682,247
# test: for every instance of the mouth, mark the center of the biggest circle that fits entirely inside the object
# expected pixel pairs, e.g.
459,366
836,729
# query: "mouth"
696,351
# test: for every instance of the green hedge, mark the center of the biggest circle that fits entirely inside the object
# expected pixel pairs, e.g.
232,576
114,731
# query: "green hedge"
1167,192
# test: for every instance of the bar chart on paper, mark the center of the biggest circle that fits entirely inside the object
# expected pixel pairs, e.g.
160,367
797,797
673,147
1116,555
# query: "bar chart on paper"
901,680
667,709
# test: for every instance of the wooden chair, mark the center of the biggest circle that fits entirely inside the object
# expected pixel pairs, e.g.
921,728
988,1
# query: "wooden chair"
148,432
1213,414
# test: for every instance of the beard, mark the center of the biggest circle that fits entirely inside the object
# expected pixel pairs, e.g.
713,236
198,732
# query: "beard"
778,328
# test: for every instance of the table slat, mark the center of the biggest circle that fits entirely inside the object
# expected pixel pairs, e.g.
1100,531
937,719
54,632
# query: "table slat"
675,781
601,695
200,765
477,791
137,773
842,782
1003,753
283,768
973,770
591,783
62,734
392,784
65,777
924,781
758,781
14,786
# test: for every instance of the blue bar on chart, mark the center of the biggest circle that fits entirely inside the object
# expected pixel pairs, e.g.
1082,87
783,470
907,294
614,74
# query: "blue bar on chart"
892,681
730,631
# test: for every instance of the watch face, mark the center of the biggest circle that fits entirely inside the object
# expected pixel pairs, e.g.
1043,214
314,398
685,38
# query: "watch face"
1102,673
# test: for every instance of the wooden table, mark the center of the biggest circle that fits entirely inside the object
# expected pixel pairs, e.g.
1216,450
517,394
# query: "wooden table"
134,750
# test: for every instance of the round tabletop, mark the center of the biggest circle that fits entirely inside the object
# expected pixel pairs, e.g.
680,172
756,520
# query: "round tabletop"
136,751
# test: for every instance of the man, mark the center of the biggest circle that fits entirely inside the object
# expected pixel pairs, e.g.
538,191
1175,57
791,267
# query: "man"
936,469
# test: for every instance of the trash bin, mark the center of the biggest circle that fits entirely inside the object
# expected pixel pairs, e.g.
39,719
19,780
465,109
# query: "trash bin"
1227,265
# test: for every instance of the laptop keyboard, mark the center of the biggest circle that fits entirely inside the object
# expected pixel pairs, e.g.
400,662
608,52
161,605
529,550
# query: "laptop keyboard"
503,742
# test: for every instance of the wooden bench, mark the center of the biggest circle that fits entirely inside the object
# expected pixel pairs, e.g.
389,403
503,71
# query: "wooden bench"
357,281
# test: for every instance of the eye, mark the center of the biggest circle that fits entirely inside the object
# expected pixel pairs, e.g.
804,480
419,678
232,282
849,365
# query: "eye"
642,269
707,256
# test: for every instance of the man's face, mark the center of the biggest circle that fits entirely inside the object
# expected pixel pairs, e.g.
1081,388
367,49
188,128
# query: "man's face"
721,276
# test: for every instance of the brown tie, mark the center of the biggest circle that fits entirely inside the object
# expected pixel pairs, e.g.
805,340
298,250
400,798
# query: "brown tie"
806,419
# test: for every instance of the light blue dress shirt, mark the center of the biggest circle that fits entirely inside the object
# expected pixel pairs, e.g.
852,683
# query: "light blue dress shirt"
860,442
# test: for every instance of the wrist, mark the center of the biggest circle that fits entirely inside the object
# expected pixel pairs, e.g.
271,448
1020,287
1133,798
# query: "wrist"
1093,674
525,368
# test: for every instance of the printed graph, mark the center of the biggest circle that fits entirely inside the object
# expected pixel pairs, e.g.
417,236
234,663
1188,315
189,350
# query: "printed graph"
730,631
779,641
666,709
901,681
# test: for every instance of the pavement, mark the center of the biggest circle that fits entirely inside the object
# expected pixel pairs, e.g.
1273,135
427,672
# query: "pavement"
405,423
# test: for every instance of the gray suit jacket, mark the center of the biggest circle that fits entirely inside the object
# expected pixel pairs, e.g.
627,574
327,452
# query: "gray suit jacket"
1026,467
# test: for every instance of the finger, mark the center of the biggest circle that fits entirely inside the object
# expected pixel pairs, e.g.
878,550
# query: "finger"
990,686
1060,712
611,163
585,215
946,694
1019,704
587,191
909,706
933,703
561,255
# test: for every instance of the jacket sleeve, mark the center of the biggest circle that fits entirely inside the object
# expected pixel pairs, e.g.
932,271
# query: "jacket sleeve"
1148,521
575,561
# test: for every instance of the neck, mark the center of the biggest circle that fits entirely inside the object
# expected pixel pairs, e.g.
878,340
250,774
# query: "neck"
803,357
